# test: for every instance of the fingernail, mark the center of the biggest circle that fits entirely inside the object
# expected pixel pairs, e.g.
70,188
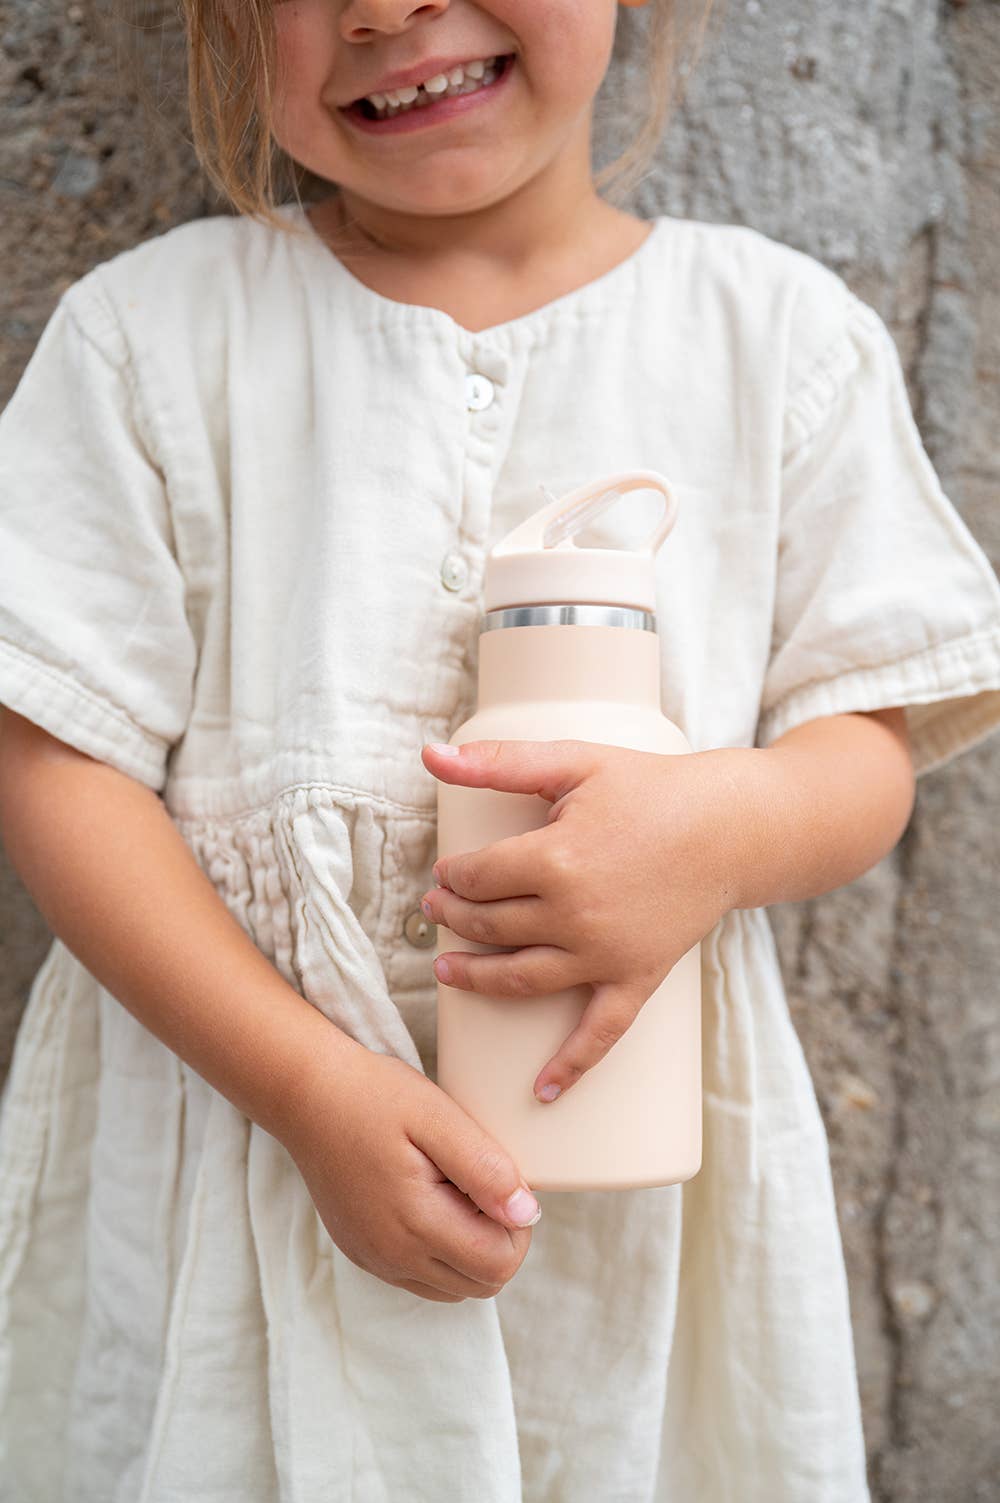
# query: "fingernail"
549,1092
443,750
442,969
523,1208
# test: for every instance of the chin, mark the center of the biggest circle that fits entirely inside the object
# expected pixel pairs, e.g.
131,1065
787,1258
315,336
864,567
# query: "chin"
445,207
442,195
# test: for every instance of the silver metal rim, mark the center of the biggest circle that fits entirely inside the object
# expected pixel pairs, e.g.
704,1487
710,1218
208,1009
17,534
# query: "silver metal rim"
569,615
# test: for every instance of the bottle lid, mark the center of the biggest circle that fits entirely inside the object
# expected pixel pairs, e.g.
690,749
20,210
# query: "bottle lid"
538,563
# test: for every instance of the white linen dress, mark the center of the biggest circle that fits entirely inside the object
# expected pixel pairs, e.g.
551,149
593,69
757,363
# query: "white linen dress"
245,504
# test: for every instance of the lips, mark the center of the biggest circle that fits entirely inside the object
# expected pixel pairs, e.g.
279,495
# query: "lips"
453,90
419,73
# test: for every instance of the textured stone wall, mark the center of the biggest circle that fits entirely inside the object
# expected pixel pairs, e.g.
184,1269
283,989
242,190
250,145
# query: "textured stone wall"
867,134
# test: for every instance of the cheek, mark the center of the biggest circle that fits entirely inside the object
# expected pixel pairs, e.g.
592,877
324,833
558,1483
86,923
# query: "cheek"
566,43
301,74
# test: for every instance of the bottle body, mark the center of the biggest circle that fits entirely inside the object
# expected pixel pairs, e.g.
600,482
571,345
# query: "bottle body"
634,1119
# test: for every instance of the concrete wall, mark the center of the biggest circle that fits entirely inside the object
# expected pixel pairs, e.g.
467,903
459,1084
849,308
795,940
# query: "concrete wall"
867,134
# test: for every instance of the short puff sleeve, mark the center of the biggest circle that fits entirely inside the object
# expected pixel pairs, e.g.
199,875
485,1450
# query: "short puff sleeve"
883,597
95,646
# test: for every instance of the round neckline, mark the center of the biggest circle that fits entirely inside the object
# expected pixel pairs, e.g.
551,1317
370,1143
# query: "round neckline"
395,308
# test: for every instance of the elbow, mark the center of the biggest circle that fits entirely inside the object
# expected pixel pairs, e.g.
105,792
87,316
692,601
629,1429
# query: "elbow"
904,804
900,782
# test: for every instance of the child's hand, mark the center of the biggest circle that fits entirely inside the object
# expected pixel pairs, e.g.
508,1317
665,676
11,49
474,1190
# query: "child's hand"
401,1177
638,860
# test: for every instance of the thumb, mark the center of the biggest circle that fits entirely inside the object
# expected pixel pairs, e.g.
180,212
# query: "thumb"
481,1169
548,768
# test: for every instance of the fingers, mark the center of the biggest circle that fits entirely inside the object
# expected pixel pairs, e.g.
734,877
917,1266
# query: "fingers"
428,1292
534,971
455,1281
510,921
445,1293
463,1251
508,868
546,768
443,1282
478,1166
609,1014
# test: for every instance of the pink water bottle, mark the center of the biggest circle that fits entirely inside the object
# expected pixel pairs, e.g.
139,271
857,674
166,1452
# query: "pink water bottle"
569,649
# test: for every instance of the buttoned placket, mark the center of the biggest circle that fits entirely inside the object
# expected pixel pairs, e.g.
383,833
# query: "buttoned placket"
491,373
482,391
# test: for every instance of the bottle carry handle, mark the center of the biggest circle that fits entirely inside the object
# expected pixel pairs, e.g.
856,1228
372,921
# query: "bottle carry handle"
555,525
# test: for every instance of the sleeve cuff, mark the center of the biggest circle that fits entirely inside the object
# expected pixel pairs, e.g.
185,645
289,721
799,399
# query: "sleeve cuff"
951,693
76,715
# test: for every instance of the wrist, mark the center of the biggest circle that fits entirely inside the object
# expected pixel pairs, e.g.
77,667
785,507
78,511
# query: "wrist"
313,1055
756,798
318,1061
814,810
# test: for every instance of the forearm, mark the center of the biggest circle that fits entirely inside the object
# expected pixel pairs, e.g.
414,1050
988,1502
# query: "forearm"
116,882
822,805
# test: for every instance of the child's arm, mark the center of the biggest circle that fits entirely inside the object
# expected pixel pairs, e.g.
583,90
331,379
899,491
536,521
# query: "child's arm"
831,799
380,1147
117,883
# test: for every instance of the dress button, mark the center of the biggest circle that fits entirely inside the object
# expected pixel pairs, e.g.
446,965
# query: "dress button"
479,392
454,571
419,930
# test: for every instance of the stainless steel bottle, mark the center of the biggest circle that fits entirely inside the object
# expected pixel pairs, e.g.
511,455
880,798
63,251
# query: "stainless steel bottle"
569,649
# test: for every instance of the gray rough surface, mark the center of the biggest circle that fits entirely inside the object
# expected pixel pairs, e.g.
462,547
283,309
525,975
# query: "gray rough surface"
866,134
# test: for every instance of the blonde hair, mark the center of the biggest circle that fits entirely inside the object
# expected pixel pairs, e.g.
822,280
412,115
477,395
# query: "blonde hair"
230,81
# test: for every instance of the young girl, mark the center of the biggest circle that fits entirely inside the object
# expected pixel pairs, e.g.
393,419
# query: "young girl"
250,1250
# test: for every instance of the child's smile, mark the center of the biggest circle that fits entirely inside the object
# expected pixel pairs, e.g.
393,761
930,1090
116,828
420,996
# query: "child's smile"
403,102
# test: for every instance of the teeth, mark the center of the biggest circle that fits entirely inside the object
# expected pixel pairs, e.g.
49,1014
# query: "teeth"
463,79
